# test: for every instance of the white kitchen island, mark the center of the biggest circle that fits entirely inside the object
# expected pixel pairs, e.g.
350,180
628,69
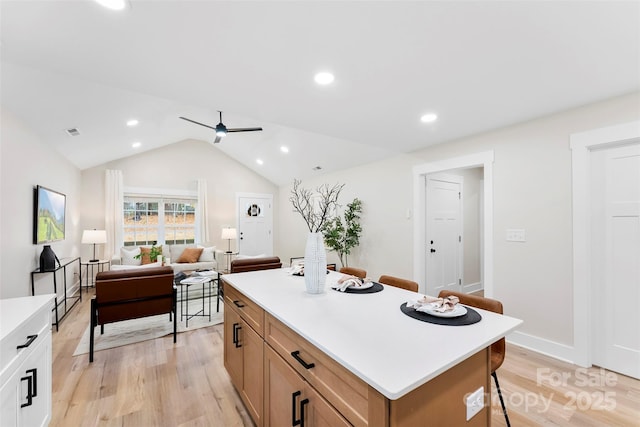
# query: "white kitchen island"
410,368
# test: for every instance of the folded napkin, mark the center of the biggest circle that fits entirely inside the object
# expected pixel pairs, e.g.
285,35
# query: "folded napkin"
348,281
297,269
440,305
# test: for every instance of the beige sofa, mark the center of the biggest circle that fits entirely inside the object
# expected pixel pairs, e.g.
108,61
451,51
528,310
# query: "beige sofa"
209,259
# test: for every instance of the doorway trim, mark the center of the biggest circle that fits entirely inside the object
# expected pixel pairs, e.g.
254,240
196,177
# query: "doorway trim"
581,145
483,159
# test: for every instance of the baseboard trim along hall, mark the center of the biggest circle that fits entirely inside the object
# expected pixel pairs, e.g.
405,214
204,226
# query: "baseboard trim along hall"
549,348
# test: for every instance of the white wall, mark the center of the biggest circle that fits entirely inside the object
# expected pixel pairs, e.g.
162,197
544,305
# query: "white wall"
532,190
179,166
27,161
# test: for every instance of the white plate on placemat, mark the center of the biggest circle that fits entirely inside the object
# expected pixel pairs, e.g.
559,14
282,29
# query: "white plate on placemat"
458,311
361,287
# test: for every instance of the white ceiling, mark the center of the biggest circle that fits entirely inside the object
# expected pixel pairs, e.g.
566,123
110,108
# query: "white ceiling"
479,65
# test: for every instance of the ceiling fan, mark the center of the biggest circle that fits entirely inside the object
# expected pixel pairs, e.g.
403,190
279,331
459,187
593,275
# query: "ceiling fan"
221,129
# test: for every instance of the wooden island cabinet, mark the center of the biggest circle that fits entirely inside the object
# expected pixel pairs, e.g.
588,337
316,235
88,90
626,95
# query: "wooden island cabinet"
350,360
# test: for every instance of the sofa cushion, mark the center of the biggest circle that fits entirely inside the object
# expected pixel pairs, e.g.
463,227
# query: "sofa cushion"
190,255
208,254
128,255
177,249
116,267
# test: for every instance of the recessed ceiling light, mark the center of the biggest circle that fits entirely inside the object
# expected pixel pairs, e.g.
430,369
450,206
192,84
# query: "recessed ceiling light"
136,144
324,78
429,118
284,149
113,4
259,161
132,122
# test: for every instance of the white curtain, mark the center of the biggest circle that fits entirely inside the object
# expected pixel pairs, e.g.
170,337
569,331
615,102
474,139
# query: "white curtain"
203,211
114,199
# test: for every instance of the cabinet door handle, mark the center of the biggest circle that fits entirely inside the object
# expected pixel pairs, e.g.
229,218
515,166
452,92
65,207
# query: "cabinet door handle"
30,339
34,373
236,340
296,355
302,405
238,304
294,396
29,381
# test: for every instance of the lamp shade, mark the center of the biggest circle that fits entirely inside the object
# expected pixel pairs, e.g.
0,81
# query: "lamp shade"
229,233
94,236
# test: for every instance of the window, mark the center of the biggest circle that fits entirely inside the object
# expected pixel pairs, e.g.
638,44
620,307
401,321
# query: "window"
149,220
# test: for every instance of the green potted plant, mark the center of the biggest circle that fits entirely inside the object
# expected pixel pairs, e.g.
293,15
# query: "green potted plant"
154,252
341,236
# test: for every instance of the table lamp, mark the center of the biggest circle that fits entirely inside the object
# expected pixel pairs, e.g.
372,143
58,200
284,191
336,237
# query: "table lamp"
229,234
94,237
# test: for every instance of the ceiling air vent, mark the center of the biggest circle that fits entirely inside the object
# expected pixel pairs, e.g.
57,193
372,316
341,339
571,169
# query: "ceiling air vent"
73,132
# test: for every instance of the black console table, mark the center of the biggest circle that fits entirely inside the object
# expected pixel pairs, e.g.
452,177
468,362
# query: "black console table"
61,266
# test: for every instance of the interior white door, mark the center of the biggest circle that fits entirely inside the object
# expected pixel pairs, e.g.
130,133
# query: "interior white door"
443,252
616,269
255,224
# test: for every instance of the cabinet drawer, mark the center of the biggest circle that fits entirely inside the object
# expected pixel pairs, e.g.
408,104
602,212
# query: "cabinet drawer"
37,324
346,392
248,310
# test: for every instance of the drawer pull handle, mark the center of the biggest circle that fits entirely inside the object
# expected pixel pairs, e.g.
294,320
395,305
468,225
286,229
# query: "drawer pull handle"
302,405
238,304
294,396
236,340
296,355
30,339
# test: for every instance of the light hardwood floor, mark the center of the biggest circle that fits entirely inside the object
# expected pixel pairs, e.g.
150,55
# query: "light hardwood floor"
158,383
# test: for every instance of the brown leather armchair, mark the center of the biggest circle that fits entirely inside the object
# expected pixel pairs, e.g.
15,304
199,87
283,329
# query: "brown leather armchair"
131,294
253,264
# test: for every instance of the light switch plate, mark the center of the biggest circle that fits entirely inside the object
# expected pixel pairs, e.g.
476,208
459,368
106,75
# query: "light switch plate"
515,235
475,402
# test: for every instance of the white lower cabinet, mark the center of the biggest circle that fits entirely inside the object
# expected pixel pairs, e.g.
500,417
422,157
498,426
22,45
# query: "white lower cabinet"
25,377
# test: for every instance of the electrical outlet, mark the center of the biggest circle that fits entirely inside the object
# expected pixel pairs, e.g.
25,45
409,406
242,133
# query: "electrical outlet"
475,402
515,235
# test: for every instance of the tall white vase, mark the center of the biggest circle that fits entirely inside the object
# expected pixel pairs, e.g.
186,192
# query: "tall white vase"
315,264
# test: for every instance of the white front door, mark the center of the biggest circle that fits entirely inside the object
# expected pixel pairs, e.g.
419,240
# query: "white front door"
255,224
616,255
443,252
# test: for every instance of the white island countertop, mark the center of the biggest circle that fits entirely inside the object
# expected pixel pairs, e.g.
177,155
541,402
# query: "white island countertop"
367,333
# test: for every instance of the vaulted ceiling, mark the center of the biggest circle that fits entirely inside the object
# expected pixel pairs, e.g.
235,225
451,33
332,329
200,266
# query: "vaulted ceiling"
478,65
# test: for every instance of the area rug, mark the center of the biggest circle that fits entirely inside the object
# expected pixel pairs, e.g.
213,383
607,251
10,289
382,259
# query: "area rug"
147,328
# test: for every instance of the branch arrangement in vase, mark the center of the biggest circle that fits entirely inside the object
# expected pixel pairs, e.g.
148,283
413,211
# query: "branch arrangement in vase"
315,208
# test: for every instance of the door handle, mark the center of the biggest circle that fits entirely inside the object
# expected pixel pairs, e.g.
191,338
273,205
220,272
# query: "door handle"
432,250
294,396
236,340
303,403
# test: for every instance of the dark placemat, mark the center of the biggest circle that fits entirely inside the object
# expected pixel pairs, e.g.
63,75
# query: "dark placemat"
377,287
470,318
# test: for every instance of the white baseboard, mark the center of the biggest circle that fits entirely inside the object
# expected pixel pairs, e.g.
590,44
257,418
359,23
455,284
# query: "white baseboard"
549,348
472,287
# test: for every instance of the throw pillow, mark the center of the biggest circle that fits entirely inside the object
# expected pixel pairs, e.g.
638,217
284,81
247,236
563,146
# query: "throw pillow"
145,253
190,255
207,254
128,255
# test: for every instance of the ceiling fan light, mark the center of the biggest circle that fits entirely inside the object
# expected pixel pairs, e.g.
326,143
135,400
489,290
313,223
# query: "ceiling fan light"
221,130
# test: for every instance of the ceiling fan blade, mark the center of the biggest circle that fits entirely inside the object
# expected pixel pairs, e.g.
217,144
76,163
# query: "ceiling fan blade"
198,123
218,139
243,129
